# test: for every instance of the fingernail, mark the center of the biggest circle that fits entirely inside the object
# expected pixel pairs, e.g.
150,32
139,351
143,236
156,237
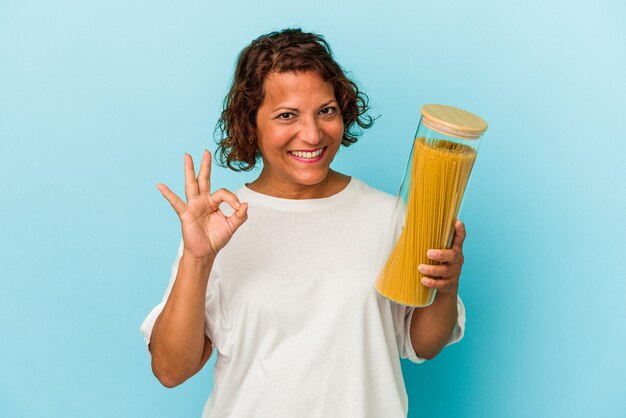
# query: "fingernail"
425,281
422,268
431,253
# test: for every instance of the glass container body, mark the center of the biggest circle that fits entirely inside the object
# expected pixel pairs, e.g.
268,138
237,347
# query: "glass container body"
430,135
428,203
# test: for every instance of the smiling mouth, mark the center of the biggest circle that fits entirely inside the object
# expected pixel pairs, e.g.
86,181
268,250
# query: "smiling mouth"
308,155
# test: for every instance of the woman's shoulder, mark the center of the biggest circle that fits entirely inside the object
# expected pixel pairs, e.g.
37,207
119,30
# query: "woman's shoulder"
371,191
373,195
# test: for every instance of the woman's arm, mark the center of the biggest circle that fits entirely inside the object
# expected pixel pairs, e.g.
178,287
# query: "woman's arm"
178,345
432,326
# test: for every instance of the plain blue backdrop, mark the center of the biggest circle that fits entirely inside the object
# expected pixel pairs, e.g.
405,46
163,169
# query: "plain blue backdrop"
100,99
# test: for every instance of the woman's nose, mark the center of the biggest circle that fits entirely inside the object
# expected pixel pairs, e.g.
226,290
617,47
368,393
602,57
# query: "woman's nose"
310,131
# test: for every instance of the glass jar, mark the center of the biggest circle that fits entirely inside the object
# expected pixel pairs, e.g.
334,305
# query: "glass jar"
442,156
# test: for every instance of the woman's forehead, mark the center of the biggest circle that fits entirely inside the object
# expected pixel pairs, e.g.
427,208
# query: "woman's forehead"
297,88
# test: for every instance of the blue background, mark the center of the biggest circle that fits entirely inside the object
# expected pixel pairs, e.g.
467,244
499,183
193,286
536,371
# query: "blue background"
99,100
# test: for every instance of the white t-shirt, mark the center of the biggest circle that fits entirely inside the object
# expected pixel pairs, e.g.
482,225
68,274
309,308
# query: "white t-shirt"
291,310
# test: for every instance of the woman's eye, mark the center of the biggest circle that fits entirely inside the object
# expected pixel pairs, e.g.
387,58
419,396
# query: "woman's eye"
285,116
331,110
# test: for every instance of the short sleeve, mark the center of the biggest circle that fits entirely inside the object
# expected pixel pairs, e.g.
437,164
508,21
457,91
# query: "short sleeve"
148,323
407,350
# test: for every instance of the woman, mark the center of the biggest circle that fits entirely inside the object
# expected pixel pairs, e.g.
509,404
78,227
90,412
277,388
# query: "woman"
278,277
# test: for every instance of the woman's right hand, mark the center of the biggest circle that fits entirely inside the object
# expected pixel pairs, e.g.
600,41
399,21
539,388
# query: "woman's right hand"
206,230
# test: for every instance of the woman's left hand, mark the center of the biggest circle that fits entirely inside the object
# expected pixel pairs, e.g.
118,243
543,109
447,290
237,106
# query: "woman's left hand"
445,277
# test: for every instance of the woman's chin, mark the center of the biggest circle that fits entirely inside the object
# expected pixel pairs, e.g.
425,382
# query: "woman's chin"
309,181
313,178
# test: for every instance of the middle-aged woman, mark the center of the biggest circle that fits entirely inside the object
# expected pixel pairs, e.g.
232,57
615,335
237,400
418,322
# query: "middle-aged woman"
278,277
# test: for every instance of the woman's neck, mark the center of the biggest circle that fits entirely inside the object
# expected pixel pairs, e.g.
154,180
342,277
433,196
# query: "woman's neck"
332,184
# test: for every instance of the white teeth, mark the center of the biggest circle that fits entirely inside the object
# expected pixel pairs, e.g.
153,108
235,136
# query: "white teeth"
313,154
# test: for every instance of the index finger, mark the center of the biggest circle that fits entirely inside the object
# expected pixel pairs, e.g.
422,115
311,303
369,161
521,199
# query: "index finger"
444,256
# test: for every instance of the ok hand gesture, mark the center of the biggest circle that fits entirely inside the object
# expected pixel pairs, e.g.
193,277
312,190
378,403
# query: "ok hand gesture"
206,230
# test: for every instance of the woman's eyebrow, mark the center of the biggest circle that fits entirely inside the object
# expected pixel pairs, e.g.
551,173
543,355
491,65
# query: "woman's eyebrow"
328,102
293,109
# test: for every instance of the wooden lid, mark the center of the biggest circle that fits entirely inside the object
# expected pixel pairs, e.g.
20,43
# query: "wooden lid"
452,121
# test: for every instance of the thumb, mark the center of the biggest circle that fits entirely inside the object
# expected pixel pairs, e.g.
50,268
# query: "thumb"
239,217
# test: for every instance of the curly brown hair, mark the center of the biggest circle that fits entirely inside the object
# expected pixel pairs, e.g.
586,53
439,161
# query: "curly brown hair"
284,51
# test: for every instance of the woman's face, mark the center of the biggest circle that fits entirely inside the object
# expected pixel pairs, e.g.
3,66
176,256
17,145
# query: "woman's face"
299,129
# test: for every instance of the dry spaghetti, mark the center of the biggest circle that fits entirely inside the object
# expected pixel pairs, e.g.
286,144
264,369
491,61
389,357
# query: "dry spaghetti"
439,173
